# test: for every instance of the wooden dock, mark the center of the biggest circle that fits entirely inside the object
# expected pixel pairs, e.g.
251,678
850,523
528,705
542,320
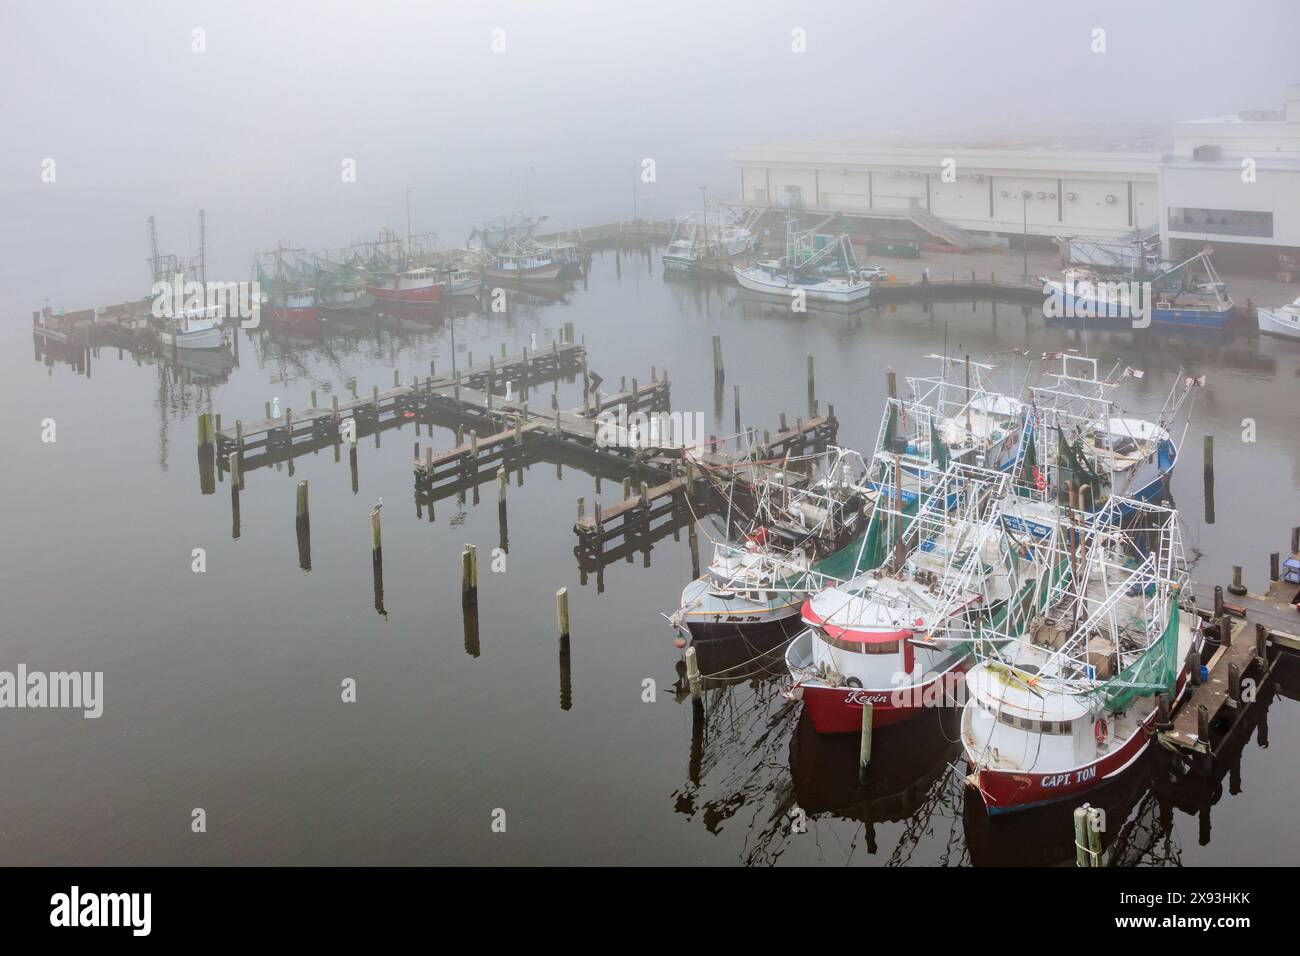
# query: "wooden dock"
1251,630
271,439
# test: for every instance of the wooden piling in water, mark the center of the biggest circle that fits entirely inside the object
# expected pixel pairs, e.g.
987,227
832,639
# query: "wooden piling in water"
303,527
376,532
1274,566
812,389
864,742
469,576
1236,586
693,676
562,613
1209,478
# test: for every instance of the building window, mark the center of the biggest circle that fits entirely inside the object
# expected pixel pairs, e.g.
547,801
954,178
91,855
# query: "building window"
1221,222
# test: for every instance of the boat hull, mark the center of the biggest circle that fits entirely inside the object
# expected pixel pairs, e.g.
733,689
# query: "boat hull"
758,281
1278,322
1004,791
838,710
544,273
427,294
306,315
200,339
362,303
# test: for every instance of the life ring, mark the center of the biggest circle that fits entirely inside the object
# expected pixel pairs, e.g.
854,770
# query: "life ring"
854,683
1100,730
1040,479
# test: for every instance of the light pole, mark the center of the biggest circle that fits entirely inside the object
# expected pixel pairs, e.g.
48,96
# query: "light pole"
704,201
1024,236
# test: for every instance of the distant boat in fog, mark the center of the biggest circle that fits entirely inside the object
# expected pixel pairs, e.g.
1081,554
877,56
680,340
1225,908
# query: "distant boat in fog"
418,285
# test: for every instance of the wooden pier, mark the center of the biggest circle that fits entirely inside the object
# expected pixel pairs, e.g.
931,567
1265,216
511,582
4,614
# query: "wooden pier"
1251,631
295,432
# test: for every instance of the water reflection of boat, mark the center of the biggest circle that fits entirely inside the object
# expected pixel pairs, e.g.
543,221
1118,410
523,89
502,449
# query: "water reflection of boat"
906,762
1044,835
213,364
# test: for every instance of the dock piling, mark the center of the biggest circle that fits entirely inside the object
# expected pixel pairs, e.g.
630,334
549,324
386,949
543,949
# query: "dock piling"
864,742
469,576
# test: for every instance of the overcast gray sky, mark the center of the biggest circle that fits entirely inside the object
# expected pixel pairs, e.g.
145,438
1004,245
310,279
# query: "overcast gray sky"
255,128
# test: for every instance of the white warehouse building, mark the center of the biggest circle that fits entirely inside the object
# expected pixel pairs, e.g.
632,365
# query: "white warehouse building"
1201,190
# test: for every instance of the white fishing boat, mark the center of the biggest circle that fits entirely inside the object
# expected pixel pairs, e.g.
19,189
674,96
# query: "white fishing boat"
1069,702
799,540
460,281
771,276
1282,320
195,329
821,267
895,638
709,241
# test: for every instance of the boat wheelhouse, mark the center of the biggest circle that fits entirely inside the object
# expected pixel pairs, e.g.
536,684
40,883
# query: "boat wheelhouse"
195,329
1070,701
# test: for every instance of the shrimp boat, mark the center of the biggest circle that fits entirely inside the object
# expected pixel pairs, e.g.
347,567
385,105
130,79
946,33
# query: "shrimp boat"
821,267
895,639
1282,321
295,307
524,266
799,541
1069,702
1077,435
195,329
461,282
1188,295
415,286
700,245
345,292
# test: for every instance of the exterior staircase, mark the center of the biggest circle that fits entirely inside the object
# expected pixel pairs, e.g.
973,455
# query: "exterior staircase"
939,228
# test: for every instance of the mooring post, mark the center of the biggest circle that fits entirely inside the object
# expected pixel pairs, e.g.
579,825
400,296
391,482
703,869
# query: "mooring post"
375,395
1081,837
1095,825
1218,601
1295,539
735,391
469,576
1203,724
1236,586
1234,683
1194,665
473,444
1209,479
1225,630
303,525
1274,566
455,387
562,613
313,398
812,389
891,383
376,532
232,465
693,675
864,743
1261,644
1162,712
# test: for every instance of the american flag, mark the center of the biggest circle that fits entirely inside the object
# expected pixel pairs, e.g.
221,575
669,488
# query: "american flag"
1194,381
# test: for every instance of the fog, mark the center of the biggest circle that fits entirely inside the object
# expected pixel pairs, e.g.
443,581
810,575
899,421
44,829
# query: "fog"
254,128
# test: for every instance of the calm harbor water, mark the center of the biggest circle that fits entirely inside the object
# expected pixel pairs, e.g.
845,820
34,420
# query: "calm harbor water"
222,689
